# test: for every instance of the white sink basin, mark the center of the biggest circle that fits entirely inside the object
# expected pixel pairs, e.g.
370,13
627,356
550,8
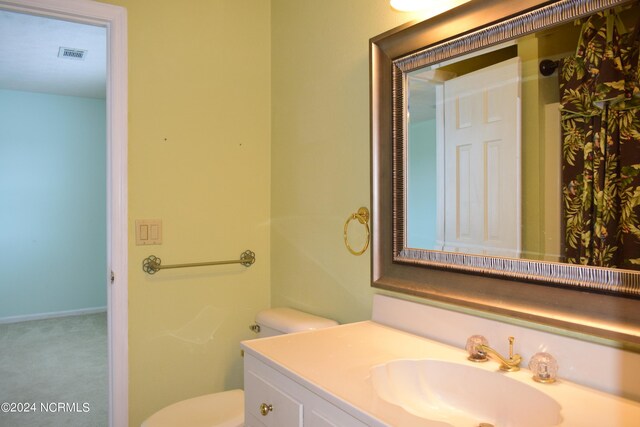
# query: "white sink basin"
462,395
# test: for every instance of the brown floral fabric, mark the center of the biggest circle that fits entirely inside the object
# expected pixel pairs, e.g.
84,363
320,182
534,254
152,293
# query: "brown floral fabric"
600,113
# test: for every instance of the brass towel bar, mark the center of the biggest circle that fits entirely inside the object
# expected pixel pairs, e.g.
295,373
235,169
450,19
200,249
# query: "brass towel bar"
153,264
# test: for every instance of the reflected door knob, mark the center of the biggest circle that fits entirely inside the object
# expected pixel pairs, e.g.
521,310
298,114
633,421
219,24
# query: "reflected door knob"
265,409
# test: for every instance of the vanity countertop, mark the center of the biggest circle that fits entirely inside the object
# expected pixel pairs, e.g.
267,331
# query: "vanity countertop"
335,363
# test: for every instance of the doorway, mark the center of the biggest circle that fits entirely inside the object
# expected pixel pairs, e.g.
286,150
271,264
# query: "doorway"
113,19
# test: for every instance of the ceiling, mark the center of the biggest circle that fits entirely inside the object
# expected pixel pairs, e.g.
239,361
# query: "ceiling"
29,60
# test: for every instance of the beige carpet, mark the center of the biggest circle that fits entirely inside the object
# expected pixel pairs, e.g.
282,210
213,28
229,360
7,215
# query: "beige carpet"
58,369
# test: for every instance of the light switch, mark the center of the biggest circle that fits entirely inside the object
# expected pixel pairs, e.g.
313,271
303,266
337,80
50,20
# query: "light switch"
155,232
144,232
148,232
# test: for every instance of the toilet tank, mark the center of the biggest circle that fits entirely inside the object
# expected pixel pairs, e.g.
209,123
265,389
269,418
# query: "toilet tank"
279,321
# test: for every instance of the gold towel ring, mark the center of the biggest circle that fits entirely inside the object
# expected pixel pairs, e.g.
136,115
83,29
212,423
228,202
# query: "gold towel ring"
363,218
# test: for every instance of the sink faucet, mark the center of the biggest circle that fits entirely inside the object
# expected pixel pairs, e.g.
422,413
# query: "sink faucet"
479,351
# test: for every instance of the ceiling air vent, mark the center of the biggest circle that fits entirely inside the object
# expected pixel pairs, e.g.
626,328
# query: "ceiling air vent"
68,53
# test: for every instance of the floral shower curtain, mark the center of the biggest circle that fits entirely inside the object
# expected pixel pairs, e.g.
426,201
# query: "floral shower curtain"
600,113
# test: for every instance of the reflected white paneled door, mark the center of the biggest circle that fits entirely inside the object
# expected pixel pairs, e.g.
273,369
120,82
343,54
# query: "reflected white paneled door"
482,161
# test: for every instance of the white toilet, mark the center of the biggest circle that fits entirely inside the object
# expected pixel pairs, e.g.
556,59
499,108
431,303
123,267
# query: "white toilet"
226,409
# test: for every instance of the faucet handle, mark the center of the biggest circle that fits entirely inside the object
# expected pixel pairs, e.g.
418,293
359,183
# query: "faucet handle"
544,367
475,348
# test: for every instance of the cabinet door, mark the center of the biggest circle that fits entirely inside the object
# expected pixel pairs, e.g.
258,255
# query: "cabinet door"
270,405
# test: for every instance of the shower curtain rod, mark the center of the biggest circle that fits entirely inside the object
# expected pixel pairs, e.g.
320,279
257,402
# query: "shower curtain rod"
548,67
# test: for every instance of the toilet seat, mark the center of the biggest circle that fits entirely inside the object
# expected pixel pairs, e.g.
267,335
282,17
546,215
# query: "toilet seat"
225,409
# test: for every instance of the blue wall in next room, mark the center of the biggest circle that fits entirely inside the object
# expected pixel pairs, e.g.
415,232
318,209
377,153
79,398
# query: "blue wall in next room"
422,207
52,204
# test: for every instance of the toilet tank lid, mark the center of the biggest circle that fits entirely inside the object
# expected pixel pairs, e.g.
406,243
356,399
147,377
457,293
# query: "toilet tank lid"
288,320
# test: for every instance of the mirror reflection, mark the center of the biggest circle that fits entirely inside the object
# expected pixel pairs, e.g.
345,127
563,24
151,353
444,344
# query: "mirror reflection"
508,157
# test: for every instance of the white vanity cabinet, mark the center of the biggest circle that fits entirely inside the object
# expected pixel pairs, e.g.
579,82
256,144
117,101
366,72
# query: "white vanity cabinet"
331,377
275,400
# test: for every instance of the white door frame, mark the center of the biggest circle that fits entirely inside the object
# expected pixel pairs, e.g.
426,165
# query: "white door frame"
114,19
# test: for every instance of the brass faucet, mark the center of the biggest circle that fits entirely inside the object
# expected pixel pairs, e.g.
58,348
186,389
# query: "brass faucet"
483,351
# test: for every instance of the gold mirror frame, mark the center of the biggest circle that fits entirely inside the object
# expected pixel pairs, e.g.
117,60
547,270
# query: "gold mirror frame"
593,303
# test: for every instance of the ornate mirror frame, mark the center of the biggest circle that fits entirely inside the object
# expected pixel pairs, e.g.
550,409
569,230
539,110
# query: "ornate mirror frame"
593,303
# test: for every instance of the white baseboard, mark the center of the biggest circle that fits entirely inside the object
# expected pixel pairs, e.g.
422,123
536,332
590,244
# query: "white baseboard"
41,316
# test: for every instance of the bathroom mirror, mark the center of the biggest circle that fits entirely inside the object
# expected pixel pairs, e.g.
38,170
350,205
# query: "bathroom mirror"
475,171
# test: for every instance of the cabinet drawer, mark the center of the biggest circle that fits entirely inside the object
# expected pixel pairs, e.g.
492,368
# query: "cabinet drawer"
269,404
320,413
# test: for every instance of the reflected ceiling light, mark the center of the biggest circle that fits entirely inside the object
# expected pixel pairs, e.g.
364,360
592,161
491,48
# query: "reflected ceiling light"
410,5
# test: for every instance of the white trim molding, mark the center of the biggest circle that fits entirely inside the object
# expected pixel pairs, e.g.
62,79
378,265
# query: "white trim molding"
51,315
114,19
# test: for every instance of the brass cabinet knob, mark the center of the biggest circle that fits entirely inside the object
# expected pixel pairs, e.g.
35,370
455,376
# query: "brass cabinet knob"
265,409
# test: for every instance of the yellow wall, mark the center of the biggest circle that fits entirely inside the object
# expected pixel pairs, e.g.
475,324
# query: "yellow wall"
321,150
199,77
208,80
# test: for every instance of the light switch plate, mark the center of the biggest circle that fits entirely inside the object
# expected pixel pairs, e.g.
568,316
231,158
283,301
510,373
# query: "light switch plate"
148,232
